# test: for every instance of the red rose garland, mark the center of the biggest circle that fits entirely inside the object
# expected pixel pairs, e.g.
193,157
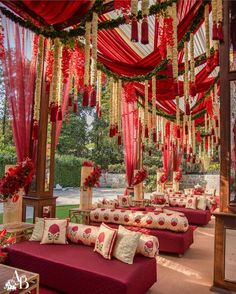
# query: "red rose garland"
163,178
88,163
140,176
15,179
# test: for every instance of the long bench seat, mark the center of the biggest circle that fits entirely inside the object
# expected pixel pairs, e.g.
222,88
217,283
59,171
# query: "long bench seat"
76,268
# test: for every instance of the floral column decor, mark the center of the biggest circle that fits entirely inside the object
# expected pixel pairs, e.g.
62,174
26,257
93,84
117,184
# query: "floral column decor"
177,176
90,175
11,188
161,180
139,177
5,241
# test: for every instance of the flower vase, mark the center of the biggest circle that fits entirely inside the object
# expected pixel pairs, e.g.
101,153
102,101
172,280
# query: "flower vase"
175,183
85,172
12,211
86,198
138,190
160,186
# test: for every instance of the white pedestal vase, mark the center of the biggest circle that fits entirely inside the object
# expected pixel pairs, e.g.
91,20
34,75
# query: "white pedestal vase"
175,183
86,193
12,211
160,186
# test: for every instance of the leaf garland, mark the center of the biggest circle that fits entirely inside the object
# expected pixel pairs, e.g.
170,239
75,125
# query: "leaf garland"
64,35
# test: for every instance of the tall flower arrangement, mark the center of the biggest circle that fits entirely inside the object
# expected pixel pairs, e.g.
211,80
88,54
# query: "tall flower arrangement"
16,178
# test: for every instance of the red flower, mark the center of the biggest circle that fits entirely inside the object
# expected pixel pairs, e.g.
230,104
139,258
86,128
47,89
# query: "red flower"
140,176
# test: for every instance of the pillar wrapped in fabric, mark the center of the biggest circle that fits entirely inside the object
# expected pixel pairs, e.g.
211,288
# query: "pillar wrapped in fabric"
86,195
175,183
12,210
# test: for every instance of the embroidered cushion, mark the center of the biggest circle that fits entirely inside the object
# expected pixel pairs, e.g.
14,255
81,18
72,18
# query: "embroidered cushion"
202,203
54,231
82,234
105,241
191,202
126,245
38,230
124,201
177,201
148,246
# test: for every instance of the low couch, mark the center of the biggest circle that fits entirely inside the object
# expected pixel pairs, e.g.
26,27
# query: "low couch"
172,229
196,217
76,268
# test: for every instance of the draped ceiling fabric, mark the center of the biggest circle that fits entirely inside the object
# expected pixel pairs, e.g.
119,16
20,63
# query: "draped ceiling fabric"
118,54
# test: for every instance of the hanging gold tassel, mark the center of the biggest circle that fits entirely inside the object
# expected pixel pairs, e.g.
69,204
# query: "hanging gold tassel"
134,22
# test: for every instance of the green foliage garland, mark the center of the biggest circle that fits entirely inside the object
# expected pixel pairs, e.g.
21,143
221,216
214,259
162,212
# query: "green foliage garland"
64,35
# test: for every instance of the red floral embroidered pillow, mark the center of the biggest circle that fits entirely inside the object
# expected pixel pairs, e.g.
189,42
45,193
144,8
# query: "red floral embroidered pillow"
148,246
54,231
82,234
105,241
191,202
124,201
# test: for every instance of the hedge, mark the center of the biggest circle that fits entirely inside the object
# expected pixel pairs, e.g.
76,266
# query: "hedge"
67,168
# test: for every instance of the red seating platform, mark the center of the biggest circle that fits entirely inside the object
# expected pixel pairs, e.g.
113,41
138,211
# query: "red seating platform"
77,269
196,217
169,241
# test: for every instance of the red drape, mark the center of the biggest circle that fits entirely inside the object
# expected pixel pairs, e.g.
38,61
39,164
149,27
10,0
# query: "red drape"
19,78
129,121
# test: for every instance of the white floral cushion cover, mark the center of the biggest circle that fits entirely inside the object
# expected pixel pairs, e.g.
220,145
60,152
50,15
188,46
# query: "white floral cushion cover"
54,231
82,234
105,241
152,220
148,246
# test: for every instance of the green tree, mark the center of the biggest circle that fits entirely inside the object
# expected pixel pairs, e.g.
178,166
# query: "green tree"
73,138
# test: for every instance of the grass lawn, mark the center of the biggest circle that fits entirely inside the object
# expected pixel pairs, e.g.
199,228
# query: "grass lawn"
61,212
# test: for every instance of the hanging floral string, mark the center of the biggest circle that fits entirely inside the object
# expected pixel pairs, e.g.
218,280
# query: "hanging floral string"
111,109
214,20
134,22
38,85
154,132
65,64
75,105
207,49
175,49
192,86
119,118
60,86
2,51
186,84
146,110
85,102
93,98
49,63
220,20
144,26
55,80
99,93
